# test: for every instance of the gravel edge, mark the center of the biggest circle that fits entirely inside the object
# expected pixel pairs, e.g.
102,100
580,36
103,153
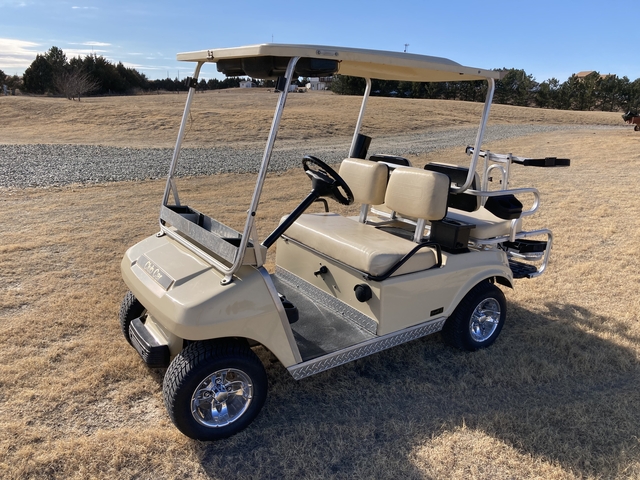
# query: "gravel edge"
46,165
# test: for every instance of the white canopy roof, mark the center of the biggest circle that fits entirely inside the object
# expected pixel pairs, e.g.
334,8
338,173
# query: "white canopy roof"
356,62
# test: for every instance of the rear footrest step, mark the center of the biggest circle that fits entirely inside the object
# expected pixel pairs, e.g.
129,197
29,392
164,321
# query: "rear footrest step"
522,270
527,246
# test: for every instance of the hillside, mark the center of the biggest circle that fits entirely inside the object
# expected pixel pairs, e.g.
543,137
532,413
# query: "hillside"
221,116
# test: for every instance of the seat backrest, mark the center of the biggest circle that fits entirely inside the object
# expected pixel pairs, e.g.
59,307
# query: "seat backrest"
417,193
458,175
392,159
367,180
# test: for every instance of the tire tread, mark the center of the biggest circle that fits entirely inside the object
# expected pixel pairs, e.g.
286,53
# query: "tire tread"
130,308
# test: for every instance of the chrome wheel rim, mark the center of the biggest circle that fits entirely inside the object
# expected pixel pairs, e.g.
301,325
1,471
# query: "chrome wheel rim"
484,320
222,398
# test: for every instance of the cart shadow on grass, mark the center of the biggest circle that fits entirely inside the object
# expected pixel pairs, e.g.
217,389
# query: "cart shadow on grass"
549,388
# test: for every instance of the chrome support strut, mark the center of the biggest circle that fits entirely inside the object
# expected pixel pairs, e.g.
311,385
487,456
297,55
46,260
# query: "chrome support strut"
171,186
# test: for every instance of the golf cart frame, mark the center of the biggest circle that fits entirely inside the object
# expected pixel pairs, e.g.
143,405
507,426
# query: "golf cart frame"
200,296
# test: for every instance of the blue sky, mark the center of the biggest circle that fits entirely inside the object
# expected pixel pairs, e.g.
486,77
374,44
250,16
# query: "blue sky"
545,38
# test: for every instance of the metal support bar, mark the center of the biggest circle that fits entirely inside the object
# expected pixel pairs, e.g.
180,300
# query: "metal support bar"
264,166
363,107
364,213
176,151
419,233
483,123
532,162
504,177
547,252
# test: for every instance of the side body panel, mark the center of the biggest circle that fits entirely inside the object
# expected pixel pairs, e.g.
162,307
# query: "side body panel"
402,301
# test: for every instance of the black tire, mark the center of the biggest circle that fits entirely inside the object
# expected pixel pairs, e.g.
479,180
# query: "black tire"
478,319
192,378
130,309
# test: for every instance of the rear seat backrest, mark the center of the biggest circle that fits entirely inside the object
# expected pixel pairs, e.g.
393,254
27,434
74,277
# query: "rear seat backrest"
458,175
367,180
417,193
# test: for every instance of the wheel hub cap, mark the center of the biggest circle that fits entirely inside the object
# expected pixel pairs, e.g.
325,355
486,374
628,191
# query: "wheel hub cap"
485,319
222,398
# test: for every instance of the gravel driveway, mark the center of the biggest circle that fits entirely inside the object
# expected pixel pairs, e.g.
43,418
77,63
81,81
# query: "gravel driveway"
52,165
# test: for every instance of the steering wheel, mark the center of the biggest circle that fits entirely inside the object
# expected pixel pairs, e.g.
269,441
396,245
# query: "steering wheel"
326,182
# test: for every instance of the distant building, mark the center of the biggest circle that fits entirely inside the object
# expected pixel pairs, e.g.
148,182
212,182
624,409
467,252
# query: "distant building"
247,84
318,83
586,73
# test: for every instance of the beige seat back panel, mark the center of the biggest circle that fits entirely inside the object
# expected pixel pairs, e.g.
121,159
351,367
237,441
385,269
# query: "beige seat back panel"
417,193
367,180
487,225
361,246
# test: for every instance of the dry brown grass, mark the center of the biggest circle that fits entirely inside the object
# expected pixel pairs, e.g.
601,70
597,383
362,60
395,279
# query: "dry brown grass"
221,116
555,397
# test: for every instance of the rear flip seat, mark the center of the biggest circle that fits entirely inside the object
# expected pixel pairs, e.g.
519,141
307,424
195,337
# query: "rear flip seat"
486,224
467,208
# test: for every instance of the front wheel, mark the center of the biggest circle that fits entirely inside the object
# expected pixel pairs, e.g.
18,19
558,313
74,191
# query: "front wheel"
214,389
478,319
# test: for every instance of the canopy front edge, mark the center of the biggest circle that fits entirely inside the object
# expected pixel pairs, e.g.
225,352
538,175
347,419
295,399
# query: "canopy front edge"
377,64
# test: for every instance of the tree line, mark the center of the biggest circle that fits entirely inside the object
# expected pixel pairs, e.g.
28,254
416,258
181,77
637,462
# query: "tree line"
591,92
53,73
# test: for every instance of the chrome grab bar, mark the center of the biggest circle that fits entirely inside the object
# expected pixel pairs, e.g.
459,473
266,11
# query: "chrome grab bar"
513,191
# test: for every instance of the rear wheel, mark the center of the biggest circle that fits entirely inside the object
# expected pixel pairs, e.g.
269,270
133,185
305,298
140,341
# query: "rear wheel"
212,390
130,309
478,319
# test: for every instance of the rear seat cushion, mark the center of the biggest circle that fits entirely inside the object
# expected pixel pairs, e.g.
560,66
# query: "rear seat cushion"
487,225
360,246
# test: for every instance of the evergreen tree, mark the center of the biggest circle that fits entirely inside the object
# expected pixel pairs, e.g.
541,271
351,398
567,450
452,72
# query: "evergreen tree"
514,88
105,73
38,78
345,85
57,59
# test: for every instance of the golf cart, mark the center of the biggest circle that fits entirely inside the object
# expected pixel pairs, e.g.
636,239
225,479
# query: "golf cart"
424,254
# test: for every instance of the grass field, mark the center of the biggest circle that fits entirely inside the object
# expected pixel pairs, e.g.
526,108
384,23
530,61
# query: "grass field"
555,398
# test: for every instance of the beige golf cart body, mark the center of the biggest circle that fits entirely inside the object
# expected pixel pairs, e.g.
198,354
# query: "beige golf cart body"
199,279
